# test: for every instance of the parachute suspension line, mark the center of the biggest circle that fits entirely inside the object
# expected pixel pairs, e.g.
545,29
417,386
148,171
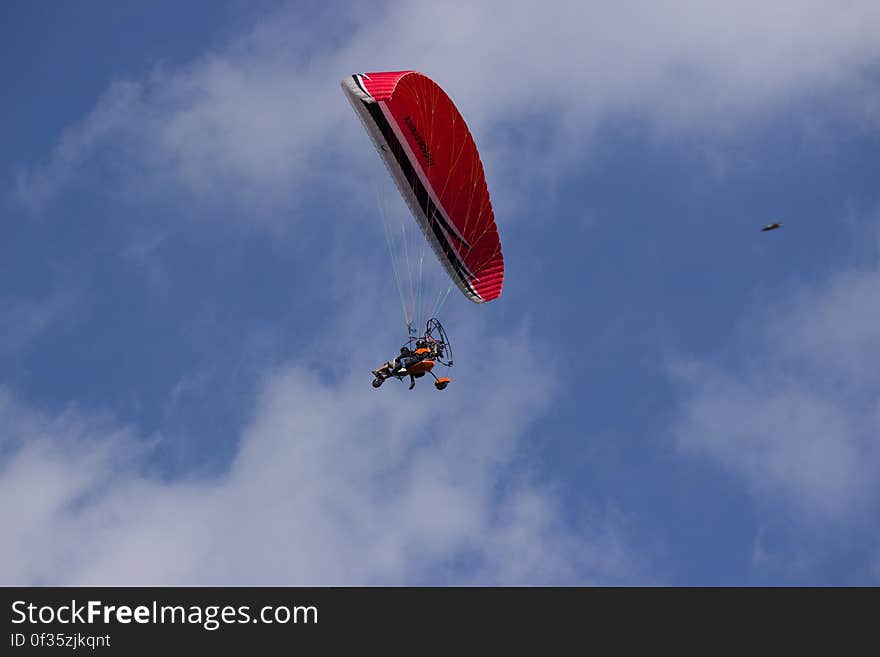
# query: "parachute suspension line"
427,104
441,301
417,314
409,277
395,265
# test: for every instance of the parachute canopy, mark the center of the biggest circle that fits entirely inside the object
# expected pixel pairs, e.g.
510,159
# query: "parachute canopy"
424,142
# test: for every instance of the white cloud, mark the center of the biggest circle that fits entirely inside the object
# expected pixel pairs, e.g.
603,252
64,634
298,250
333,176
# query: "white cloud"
787,438
799,420
261,120
334,484
842,335
50,469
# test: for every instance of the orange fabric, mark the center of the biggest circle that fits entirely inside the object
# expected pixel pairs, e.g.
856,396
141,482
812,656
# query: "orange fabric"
421,367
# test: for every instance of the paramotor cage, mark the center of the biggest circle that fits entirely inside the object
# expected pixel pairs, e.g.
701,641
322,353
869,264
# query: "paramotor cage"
436,340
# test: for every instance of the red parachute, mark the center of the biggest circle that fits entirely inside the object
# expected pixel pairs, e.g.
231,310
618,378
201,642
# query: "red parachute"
433,159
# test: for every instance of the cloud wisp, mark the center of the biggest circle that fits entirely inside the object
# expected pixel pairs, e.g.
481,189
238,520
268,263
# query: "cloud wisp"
798,419
262,120
331,484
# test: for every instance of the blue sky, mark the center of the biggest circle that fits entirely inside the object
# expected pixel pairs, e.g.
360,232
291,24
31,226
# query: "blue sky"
195,286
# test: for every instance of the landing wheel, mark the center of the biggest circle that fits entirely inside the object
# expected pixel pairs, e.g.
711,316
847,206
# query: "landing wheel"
378,382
